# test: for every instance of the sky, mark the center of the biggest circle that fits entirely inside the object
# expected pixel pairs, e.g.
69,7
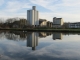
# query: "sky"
69,10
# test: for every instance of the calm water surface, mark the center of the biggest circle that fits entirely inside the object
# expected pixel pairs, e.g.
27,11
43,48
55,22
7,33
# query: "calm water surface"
18,45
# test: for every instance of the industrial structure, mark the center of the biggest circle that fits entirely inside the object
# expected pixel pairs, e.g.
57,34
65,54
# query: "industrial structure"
33,19
32,16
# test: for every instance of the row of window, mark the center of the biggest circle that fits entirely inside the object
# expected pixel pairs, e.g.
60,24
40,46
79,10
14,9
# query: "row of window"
74,24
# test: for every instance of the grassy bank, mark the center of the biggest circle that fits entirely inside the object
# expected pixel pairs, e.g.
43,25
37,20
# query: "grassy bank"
44,30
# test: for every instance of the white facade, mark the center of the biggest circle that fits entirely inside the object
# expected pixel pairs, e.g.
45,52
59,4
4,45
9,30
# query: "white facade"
32,16
57,21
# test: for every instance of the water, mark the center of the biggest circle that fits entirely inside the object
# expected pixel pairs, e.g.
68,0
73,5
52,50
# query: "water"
18,45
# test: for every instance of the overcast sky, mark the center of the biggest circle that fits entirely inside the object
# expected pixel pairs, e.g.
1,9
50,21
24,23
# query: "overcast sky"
69,10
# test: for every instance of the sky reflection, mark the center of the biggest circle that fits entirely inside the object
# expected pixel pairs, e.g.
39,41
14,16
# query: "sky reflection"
45,48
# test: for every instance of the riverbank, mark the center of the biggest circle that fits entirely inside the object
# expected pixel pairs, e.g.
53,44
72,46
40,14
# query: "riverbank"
44,30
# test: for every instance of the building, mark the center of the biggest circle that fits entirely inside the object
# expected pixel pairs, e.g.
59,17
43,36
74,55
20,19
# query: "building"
45,23
57,22
42,22
74,25
66,25
32,16
32,40
23,22
49,24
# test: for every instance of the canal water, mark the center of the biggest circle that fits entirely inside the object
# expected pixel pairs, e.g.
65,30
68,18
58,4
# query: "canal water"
22,45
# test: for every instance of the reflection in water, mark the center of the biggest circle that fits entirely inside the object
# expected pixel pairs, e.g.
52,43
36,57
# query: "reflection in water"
32,37
57,36
44,34
20,35
66,49
16,35
32,40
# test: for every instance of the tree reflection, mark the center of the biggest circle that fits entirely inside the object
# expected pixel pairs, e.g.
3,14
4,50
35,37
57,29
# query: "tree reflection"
31,37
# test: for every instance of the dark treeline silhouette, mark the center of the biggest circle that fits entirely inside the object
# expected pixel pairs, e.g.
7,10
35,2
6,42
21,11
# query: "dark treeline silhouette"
23,23
15,23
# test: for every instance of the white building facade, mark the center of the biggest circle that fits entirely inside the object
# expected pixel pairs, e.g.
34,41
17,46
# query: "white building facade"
32,16
57,22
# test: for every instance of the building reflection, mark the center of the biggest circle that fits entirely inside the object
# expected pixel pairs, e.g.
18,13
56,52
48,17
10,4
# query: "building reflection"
57,36
32,40
32,37
44,34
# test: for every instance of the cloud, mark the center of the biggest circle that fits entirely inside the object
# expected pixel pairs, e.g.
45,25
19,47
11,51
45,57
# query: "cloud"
67,17
57,51
55,4
14,6
12,15
7,50
67,9
1,2
44,3
71,2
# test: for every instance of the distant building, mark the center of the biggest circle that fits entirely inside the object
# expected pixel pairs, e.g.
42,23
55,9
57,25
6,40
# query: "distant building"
49,24
45,23
20,23
66,25
23,22
32,16
57,22
74,25
42,22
